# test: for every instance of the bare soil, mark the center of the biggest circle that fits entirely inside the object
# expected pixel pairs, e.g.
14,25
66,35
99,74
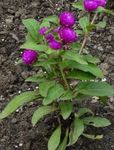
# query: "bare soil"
16,132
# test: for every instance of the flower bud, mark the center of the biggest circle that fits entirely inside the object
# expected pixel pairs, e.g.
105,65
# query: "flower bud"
68,35
90,5
49,37
55,45
29,56
101,3
43,30
67,19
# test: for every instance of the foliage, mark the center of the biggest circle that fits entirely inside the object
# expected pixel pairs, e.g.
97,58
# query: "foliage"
58,69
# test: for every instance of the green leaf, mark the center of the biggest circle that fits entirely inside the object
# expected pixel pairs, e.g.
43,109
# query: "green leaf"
91,59
75,46
83,111
53,94
84,22
54,139
53,19
40,113
75,57
29,38
93,69
76,131
102,10
78,5
34,46
96,121
77,74
45,86
95,88
68,95
93,137
36,78
17,102
101,24
63,145
66,109
33,27
45,24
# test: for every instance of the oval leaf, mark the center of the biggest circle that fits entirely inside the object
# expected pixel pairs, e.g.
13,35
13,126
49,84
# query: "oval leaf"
45,86
66,109
17,102
75,57
95,89
34,46
97,121
53,93
54,139
76,131
64,143
33,27
40,113
83,111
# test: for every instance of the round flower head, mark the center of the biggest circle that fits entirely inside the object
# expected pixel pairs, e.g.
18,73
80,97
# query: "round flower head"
49,37
101,3
55,45
90,5
29,56
67,19
68,35
43,30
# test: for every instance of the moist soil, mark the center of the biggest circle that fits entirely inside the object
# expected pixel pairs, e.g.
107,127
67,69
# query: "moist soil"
16,132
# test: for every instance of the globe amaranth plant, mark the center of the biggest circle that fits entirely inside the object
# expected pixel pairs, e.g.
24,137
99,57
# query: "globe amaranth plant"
67,74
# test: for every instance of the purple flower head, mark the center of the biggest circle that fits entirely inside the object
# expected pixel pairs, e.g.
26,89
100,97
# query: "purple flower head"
90,5
49,37
68,35
29,56
55,45
101,3
67,19
43,30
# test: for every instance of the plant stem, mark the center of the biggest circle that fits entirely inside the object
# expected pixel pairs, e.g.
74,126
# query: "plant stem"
87,34
64,78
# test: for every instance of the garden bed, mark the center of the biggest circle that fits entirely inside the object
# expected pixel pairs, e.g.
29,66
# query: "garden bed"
17,132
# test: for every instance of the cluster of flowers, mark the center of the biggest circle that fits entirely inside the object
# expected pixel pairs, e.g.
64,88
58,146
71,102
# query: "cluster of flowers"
57,38
63,34
92,5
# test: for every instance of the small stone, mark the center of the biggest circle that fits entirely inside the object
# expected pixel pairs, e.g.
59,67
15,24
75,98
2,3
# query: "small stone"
100,48
20,144
112,30
109,38
111,60
11,11
14,120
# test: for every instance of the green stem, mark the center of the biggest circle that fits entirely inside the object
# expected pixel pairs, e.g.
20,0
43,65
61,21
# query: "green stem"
64,78
87,35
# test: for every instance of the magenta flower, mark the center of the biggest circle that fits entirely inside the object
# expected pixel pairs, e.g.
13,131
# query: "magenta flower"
55,45
68,35
90,5
67,19
101,3
49,37
29,56
43,30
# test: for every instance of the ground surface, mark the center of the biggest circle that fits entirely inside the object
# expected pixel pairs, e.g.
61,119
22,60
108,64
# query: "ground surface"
16,132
